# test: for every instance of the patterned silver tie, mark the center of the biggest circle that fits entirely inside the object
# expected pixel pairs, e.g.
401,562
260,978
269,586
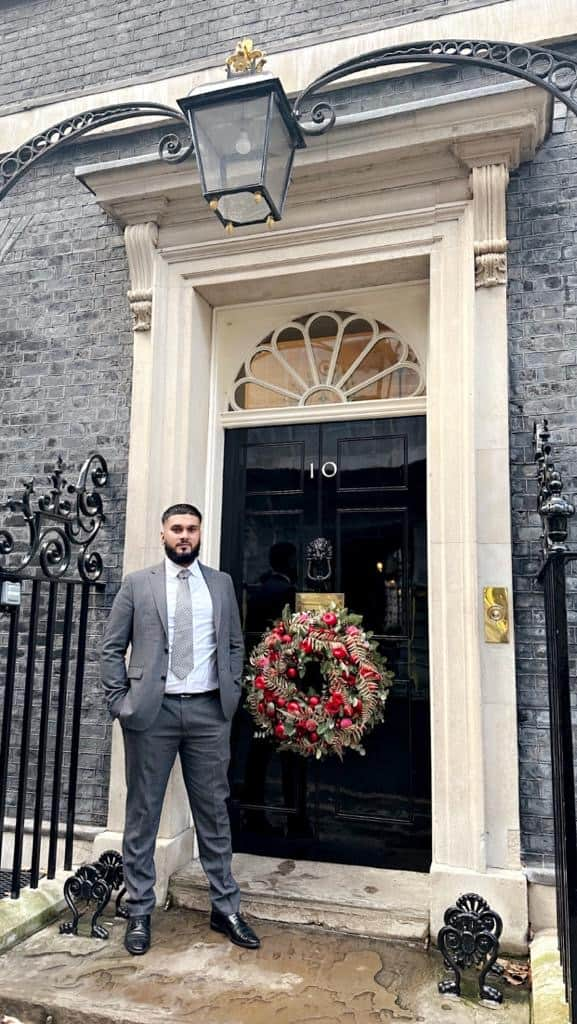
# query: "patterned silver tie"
182,658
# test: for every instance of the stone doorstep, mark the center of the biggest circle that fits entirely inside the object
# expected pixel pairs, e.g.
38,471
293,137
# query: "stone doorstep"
390,905
32,911
194,976
548,1004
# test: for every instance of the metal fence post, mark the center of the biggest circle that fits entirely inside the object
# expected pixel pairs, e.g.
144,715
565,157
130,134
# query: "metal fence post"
555,511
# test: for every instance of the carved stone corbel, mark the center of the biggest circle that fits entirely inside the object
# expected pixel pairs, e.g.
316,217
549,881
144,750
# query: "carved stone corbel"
489,185
140,241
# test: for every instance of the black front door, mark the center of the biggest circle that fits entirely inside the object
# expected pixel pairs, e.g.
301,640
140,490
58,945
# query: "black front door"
360,485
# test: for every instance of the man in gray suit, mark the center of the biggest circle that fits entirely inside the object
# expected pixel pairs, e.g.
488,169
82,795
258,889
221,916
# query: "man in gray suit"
177,695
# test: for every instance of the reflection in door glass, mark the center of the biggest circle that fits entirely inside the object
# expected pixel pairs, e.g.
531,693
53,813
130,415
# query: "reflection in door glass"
274,468
271,555
372,462
372,567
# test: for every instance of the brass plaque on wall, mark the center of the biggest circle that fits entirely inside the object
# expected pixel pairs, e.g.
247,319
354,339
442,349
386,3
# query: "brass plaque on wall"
496,615
306,602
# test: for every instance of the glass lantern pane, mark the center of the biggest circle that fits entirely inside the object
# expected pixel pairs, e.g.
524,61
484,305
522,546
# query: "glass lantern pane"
243,208
230,140
279,157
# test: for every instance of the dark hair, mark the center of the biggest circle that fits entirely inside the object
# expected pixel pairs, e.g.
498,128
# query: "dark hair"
182,509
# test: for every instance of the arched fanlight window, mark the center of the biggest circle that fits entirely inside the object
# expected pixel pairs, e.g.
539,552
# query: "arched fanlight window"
327,358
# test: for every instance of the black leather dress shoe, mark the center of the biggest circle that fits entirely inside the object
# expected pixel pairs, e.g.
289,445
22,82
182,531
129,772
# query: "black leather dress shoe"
236,928
137,938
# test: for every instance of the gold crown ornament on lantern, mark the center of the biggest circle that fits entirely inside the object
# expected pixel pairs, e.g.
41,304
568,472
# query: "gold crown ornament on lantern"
245,59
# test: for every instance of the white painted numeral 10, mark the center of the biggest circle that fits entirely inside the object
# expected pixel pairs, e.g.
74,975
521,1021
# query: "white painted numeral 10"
328,469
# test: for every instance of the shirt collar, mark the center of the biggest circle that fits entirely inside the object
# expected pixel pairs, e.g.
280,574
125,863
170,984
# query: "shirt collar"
173,570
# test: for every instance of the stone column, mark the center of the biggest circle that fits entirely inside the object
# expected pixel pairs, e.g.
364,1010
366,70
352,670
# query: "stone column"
494,563
494,869
142,541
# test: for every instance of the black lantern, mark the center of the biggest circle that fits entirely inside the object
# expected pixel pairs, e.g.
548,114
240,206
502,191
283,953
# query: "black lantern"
245,137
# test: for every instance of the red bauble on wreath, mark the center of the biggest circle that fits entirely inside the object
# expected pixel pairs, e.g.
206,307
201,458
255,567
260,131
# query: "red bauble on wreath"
342,708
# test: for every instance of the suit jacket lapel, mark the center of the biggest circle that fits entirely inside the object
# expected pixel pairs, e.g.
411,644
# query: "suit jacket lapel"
158,585
212,581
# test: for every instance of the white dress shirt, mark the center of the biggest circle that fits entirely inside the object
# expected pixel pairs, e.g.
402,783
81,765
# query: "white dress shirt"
204,674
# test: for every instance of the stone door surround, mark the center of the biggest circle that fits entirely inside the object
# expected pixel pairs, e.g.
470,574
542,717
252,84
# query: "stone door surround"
423,196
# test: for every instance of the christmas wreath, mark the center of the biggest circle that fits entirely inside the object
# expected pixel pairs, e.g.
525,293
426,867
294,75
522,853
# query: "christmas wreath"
316,683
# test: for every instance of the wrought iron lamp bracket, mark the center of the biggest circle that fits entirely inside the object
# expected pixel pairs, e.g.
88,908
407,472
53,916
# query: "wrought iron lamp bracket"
68,518
553,507
556,72
171,148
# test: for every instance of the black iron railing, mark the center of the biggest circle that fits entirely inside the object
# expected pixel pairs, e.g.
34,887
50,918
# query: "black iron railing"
555,510
45,599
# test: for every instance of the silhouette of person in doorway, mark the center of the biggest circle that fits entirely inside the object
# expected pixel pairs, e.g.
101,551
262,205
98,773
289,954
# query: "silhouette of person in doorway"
275,589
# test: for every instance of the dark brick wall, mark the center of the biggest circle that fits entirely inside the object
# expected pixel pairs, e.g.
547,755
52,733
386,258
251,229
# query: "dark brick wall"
65,348
543,382
65,377
49,47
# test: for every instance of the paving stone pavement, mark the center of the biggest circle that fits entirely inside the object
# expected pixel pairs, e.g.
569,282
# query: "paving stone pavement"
193,974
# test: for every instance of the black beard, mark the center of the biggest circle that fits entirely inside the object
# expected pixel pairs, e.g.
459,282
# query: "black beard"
181,558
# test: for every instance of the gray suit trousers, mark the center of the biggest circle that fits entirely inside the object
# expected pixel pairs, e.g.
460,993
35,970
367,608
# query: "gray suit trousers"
194,728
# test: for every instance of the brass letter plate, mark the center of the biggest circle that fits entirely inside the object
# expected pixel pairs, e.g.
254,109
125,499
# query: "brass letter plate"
311,602
496,615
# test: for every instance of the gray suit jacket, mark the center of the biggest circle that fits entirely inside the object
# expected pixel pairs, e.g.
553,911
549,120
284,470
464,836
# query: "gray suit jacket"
138,618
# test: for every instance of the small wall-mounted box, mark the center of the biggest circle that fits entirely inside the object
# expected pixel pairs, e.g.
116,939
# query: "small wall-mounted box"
11,593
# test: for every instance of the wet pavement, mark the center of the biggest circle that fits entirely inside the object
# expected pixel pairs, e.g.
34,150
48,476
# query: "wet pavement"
193,974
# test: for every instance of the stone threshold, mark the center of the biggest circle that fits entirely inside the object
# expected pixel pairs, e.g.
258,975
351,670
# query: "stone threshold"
371,902
548,1004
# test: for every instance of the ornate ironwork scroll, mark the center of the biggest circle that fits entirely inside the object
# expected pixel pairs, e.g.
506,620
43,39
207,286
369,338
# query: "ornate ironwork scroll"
89,886
15,164
556,72
470,937
553,71
553,508
67,520
112,869
94,883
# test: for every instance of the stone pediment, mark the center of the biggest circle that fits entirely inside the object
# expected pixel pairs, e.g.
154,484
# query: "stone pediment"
412,156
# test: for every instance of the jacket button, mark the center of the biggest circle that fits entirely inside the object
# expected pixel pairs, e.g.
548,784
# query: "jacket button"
163,677
166,650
